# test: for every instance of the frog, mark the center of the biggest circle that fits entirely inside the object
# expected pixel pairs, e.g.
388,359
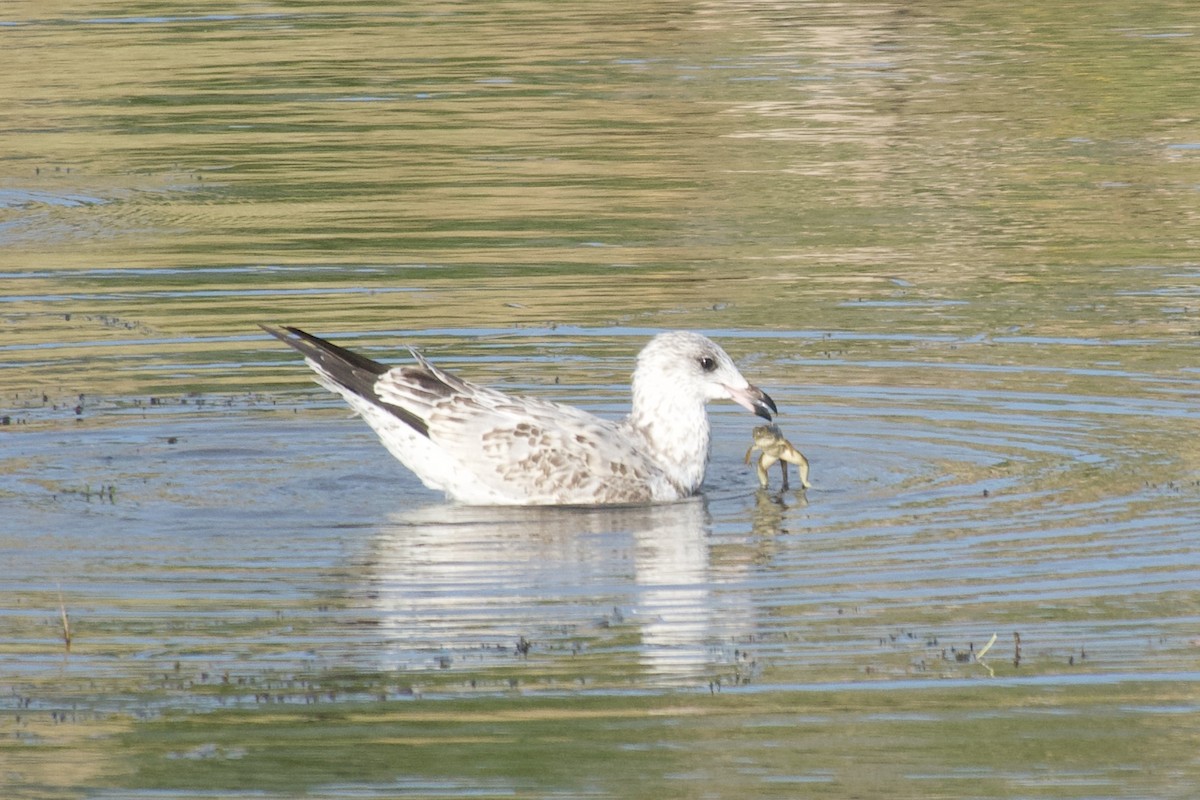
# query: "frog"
775,447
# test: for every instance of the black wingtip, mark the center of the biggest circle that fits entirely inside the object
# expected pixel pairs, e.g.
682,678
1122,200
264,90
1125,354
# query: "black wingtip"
325,353
351,370
275,330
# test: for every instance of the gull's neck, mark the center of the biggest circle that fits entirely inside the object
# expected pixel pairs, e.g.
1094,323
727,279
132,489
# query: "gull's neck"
675,432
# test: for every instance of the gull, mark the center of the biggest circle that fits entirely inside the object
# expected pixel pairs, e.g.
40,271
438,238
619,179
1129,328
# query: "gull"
484,447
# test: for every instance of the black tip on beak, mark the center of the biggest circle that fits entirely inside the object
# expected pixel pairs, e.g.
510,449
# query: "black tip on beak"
764,406
755,400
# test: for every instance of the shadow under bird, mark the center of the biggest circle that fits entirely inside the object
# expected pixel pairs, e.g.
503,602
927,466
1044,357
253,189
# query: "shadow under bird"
483,447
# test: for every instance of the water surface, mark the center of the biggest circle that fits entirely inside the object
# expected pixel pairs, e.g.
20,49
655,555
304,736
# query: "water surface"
957,245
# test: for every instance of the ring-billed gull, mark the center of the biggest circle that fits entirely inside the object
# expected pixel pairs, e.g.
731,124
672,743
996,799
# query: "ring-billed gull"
483,447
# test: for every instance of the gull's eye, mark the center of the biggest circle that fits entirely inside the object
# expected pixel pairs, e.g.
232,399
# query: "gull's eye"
708,363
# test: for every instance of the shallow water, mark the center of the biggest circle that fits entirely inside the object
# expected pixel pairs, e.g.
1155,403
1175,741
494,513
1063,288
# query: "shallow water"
957,246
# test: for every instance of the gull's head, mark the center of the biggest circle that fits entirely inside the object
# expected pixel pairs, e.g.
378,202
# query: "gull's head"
687,364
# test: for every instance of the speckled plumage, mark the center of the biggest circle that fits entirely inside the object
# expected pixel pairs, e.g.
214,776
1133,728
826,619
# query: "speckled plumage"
481,446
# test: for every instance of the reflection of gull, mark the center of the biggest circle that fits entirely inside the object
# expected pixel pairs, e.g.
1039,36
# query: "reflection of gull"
675,608
459,587
484,447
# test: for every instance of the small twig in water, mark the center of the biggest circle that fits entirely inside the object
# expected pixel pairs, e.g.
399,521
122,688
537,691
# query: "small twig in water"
979,656
986,647
66,621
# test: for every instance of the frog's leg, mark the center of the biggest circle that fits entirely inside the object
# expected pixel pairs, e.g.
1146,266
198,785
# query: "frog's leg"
764,463
797,458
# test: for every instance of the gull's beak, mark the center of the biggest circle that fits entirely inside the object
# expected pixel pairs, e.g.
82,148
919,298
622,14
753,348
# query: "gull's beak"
754,400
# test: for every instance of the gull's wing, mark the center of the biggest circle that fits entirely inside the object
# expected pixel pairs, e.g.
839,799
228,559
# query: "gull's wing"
523,445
